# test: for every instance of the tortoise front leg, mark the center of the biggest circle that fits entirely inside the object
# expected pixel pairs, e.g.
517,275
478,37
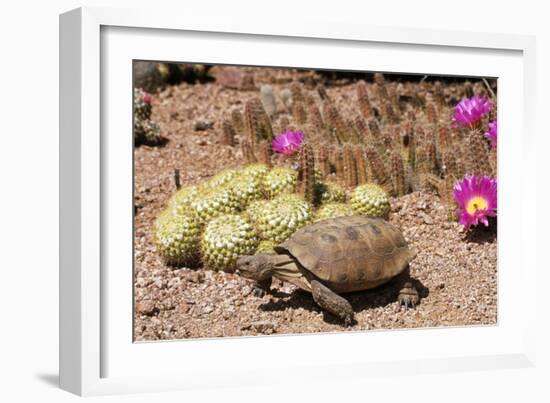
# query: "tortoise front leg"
332,302
262,287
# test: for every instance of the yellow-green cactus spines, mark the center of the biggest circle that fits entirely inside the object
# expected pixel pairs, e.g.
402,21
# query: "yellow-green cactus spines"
329,192
371,200
280,180
177,237
265,247
226,238
212,202
332,210
282,216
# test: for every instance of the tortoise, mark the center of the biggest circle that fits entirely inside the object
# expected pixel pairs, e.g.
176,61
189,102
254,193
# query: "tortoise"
334,256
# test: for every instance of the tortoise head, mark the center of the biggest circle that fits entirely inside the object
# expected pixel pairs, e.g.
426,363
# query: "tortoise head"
256,267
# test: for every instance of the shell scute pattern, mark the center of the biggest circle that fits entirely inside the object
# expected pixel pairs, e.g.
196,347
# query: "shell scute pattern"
350,250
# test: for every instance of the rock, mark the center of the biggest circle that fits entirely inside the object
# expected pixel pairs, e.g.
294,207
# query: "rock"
262,326
196,277
147,308
427,219
200,125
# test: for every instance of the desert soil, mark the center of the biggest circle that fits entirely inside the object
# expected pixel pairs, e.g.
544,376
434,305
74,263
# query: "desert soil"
457,271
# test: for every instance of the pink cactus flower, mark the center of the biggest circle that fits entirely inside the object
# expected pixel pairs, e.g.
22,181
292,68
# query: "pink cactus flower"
470,111
491,134
288,142
147,98
476,198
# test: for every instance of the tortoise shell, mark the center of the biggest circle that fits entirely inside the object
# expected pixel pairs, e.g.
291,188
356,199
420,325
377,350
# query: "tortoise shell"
349,253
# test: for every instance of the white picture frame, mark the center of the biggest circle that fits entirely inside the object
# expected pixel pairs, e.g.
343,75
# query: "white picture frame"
97,355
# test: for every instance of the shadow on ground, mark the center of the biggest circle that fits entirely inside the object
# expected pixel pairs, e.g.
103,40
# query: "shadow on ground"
360,301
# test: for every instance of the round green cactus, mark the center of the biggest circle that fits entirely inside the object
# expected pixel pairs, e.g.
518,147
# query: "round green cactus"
256,170
255,210
265,247
181,200
246,189
177,237
371,200
282,216
222,178
226,238
331,210
212,202
280,180
329,192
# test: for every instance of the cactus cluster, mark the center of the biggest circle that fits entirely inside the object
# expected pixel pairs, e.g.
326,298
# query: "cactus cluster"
395,135
146,130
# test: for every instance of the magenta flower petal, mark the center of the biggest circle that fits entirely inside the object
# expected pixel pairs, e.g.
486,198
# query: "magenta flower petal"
288,142
470,111
491,134
477,199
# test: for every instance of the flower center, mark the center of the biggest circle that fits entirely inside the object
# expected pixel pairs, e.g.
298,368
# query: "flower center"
476,203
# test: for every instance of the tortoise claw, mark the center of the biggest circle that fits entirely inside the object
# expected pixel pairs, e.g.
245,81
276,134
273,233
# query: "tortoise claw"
259,292
408,300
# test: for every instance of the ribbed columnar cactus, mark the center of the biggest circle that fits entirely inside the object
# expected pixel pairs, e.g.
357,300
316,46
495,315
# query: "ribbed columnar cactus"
350,168
248,154
226,238
377,167
337,158
237,121
334,122
431,113
438,93
363,130
306,173
363,100
370,200
316,120
299,113
322,160
264,153
399,185
257,123
388,114
477,158
228,134
296,91
177,237
361,163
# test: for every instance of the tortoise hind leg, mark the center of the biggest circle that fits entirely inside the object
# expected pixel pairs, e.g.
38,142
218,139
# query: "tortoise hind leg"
332,302
408,294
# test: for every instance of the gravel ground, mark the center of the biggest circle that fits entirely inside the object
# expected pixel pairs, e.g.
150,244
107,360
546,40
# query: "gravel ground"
457,271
